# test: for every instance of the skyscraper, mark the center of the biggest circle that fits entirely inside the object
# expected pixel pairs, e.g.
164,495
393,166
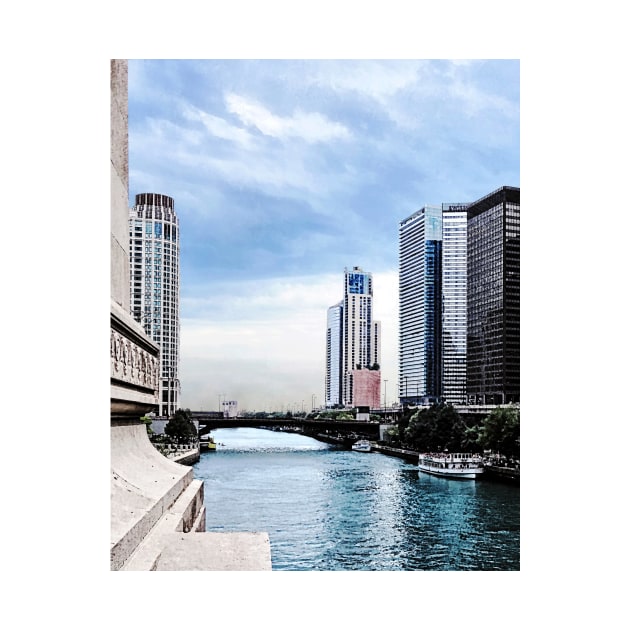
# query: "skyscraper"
493,364
334,328
154,285
432,300
360,336
420,317
353,343
454,296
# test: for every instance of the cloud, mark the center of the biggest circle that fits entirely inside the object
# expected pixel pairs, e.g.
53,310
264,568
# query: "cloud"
218,127
311,127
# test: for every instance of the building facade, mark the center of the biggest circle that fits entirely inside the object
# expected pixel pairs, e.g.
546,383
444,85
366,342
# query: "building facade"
154,286
353,339
366,388
333,382
432,305
454,306
419,294
493,344
360,336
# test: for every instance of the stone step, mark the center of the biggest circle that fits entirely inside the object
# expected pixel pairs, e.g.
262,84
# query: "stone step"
186,515
144,486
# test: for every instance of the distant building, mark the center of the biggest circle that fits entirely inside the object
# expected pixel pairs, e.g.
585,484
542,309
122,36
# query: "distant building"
154,286
230,408
493,362
366,388
361,346
334,329
353,339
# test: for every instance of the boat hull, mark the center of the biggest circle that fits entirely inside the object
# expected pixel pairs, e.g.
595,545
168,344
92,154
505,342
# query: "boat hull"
454,474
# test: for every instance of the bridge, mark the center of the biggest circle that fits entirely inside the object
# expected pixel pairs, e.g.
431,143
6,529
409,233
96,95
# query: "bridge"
209,420
348,429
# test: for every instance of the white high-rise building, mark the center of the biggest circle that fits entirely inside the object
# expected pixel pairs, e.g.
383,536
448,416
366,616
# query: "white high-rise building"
454,308
154,284
361,339
334,329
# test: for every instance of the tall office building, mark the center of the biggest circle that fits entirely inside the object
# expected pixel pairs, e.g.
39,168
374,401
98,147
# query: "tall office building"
493,363
334,328
419,295
454,296
154,268
432,305
361,340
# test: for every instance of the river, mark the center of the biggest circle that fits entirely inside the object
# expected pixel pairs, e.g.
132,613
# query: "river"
327,509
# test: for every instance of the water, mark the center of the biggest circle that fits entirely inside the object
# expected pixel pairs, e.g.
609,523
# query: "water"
327,509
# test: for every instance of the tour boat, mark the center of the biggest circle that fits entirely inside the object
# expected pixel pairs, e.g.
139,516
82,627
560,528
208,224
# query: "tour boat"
207,444
363,446
454,465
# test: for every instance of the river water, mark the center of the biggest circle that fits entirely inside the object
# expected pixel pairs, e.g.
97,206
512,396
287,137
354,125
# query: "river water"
327,509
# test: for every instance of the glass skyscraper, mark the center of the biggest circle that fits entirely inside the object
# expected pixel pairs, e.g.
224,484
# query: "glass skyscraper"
432,301
420,290
493,363
154,285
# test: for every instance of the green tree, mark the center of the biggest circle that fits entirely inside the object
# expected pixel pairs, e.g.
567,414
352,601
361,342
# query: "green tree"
501,431
181,426
437,428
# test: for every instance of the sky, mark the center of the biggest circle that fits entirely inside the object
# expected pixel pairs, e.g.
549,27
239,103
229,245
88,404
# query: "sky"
286,172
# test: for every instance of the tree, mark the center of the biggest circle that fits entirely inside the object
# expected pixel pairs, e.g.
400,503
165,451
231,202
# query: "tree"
437,428
501,431
181,426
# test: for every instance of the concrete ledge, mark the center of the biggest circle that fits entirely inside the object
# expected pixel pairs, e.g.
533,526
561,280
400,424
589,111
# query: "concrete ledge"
145,485
216,551
187,514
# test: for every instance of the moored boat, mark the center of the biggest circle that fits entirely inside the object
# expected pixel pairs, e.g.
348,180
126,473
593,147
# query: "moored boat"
363,446
207,444
453,465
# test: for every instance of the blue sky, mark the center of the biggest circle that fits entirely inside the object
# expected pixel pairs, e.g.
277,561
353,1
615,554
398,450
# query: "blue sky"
285,172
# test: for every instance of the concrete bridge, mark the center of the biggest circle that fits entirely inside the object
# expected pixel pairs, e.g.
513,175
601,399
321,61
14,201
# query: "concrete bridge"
208,421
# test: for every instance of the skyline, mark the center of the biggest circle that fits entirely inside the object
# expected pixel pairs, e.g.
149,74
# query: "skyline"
286,172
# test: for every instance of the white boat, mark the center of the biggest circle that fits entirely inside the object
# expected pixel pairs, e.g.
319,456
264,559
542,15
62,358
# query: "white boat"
363,446
454,465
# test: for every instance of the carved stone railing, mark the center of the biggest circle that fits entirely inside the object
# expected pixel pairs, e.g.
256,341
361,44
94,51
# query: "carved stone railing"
135,367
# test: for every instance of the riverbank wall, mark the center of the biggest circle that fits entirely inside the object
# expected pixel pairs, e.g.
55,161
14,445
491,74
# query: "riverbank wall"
401,453
504,474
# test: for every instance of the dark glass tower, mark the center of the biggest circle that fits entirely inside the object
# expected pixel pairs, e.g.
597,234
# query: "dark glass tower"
493,362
